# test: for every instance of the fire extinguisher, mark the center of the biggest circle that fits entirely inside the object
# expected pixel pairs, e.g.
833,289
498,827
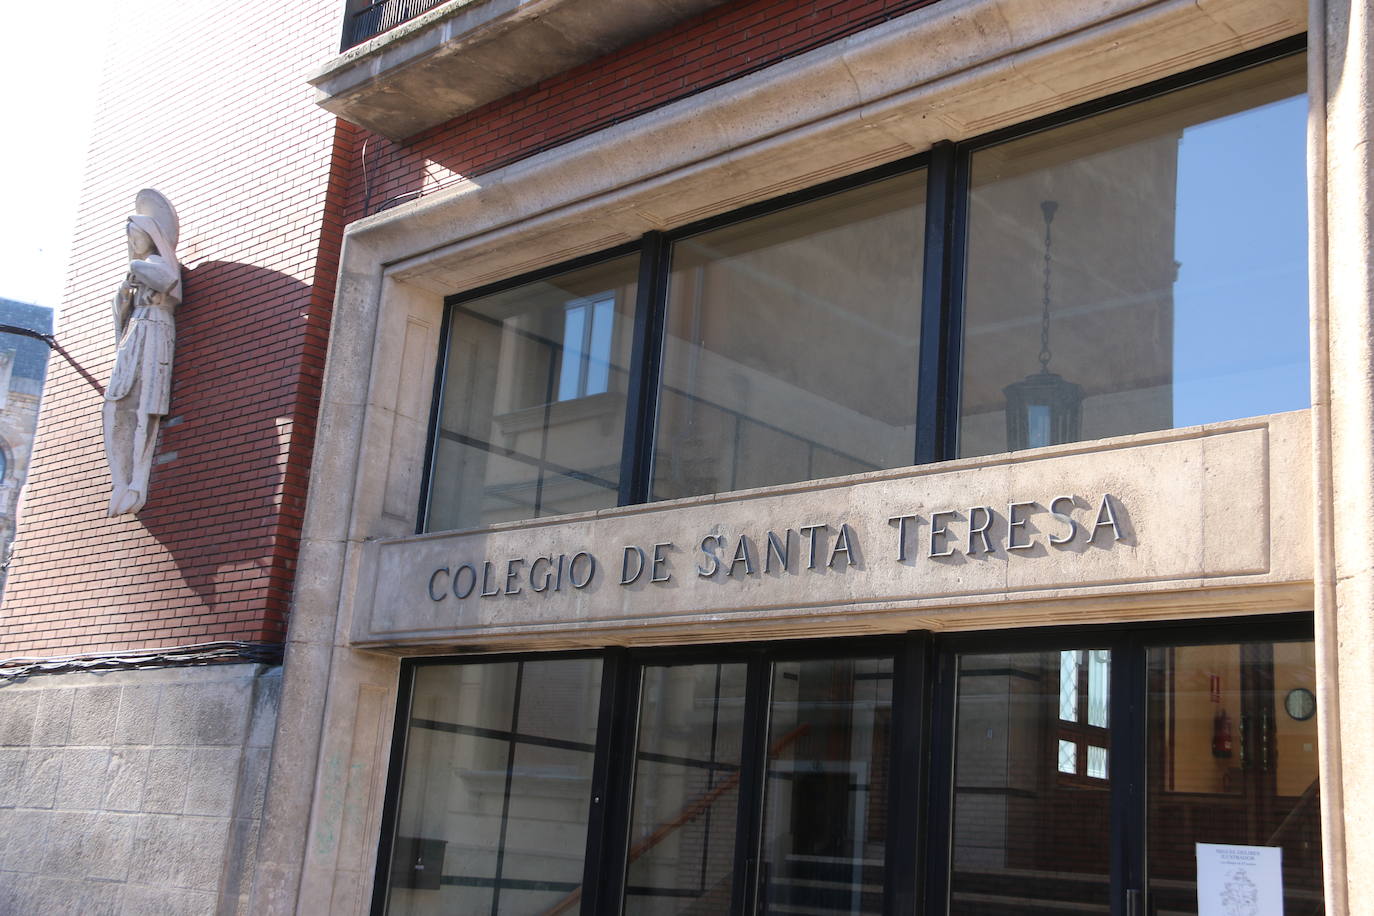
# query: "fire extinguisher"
1221,734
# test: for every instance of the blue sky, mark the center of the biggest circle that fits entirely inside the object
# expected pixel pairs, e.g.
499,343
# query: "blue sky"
1240,303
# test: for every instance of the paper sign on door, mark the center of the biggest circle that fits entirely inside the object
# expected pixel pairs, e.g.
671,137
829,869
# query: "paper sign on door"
1239,880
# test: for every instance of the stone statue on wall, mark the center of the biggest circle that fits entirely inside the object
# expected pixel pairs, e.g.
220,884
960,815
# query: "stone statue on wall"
140,386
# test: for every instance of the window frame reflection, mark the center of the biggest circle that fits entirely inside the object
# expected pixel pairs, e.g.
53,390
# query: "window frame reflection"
939,297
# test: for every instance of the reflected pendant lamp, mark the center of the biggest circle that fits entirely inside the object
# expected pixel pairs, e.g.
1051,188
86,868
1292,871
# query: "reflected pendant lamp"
1043,408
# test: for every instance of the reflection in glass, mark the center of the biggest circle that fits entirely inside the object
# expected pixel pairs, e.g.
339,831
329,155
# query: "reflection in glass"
686,790
1177,278
825,796
792,344
1032,811
494,796
533,404
1228,765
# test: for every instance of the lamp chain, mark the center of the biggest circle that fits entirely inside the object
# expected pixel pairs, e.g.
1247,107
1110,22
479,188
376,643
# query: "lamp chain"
1048,207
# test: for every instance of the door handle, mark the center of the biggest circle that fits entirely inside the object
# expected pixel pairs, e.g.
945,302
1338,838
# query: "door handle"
1266,727
1135,899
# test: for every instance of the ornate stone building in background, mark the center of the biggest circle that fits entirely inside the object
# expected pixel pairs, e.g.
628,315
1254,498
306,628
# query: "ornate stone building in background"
23,367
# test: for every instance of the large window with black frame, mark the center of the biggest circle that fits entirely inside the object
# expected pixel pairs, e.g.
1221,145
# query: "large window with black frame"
1135,264
1109,770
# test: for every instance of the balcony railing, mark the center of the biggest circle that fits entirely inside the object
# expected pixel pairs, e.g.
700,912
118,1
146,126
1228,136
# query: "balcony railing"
378,17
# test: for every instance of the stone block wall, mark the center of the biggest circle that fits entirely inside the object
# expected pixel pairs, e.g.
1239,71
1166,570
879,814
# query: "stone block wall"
133,792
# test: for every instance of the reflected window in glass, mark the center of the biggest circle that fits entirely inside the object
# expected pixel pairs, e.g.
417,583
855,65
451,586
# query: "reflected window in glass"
1142,269
792,344
532,409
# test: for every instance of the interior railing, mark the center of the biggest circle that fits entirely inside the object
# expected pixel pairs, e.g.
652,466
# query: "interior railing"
690,812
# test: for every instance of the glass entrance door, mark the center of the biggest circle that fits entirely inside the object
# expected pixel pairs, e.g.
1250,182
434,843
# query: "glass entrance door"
761,786
1151,770
826,787
1156,771
1233,764
1032,793
686,789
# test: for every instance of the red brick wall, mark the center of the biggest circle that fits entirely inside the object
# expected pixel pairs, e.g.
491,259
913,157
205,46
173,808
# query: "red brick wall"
719,45
206,102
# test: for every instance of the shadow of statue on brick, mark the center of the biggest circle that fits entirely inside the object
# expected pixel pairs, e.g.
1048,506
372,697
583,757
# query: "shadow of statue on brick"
229,472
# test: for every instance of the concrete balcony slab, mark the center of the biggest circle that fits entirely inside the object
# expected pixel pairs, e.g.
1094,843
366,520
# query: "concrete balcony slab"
465,53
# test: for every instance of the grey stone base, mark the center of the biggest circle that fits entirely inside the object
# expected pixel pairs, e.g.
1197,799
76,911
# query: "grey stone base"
134,792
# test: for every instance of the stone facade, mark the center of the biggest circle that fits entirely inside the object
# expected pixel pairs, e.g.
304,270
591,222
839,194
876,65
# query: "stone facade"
135,777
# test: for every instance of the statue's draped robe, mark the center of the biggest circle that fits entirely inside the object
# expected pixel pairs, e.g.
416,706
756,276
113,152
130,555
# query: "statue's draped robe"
146,332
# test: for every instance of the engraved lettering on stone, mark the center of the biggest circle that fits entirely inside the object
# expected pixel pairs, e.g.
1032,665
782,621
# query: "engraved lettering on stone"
737,556
902,521
938,531
512,573
1016,526
744,553
459,591
658,571
588,569
632,557
780,547
979,531
535,571
709,545
489,588
1106,518
441,595
841,546
1064,517
809,532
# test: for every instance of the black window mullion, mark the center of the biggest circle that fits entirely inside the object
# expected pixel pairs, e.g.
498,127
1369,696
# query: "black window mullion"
612,773
940,240
436,404
907,774
753,763
391,799
942,682
509,783
1126,770
646,360
951,342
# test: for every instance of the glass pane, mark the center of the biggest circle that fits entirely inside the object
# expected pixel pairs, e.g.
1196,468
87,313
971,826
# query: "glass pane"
495,787
1068,685
825,797
533,405
792,344
686,790
1175,225
600,341
1097,762
1032,825
574,362
1099,681
1232,745
1068,757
